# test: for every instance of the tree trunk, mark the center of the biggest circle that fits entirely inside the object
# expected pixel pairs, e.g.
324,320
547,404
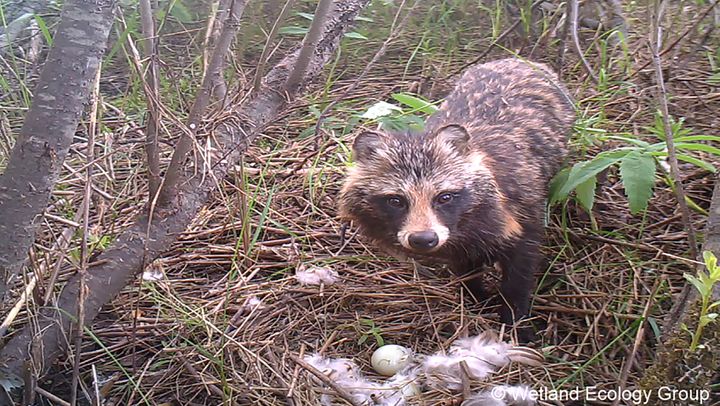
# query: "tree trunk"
49,126
142,243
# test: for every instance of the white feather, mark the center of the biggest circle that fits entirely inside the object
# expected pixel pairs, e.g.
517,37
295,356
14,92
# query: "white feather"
251,304
483,355
346,374
315,275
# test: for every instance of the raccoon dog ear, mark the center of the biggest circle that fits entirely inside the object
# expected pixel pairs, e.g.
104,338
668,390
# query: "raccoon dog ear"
366,144
454,135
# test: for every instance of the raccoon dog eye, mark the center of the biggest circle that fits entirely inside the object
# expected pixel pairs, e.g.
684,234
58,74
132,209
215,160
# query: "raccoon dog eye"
444,198
395,201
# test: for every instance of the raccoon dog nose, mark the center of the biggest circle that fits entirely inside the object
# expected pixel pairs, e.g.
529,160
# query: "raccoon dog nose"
423,240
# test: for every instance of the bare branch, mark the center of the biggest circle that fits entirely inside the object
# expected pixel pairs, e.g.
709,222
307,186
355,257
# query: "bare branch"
308,45
150,49
687,296
218,15
184,145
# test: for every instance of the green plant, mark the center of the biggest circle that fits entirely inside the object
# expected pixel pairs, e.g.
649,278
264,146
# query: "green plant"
704,283
367,328
395,118
638,161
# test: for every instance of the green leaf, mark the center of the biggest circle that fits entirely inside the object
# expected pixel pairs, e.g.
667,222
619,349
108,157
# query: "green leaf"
707,319
415,102
695,282
654,326
710,259
44,29
362,339
585,193
698,138
293,30
582,171
630,140
355,35
706,283
556,184
697,162
366,19
691,146
307,16
637,171
689,159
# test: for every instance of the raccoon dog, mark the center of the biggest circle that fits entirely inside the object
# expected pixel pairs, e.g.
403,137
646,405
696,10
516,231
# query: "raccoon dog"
470,190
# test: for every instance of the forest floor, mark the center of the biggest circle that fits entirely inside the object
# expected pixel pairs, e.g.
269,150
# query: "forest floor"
184,333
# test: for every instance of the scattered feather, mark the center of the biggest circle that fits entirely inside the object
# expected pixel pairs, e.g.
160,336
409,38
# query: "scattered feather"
478,357
346,374
152,273
483,355
315,275
251,304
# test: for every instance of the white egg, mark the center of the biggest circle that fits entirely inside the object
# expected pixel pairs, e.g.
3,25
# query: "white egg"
389,359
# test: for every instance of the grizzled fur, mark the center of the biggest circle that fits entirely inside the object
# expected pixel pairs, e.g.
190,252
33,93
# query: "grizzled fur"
470,190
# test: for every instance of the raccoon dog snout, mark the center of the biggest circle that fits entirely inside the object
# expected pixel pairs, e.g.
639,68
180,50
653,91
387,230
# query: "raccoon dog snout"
423,240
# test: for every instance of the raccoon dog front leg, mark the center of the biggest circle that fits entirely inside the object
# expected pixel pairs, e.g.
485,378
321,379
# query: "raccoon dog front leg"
518,265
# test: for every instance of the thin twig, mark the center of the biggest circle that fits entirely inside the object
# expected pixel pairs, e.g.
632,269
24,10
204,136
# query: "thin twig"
296,373
211,387
51,397
60,247
574,12
679,189
562,42
15,310
84,251
150,48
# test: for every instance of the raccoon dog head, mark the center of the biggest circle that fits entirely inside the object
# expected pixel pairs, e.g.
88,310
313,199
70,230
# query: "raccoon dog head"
421,193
